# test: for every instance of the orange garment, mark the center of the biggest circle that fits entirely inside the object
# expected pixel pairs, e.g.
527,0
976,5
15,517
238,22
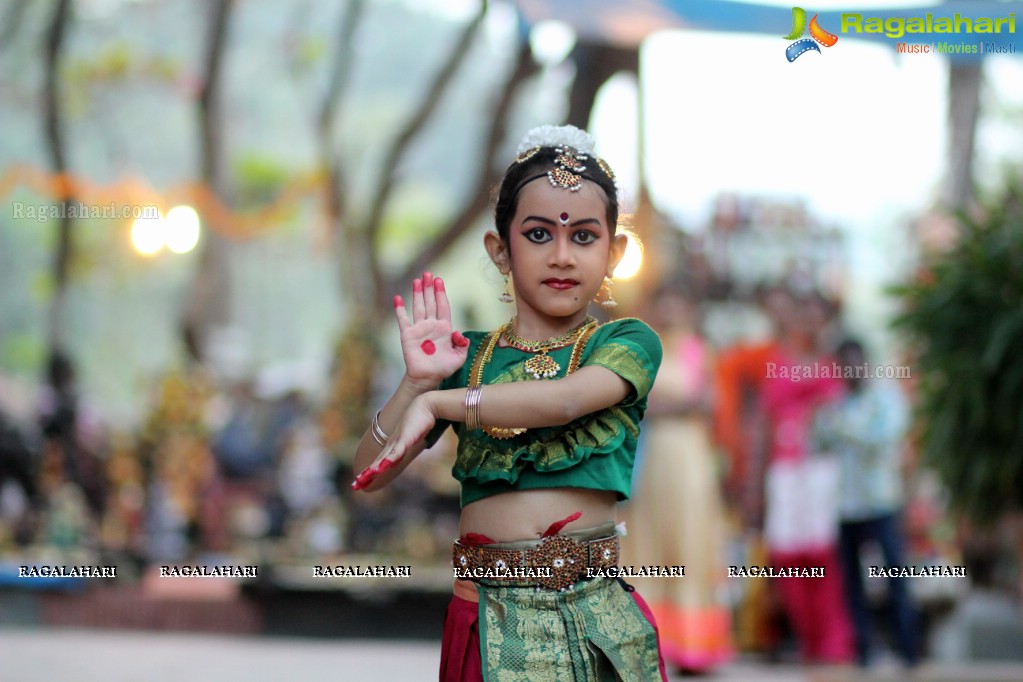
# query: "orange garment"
740,371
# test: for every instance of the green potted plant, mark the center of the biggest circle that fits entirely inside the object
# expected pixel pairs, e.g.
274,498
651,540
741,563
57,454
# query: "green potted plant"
962,315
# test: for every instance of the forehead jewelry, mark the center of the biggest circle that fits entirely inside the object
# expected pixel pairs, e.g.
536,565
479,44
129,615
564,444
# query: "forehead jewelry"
569,163
563,218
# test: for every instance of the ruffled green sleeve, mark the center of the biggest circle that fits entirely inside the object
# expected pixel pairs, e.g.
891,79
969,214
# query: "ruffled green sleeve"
630,349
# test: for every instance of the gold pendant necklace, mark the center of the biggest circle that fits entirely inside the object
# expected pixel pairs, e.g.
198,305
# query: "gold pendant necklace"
543,366
580,336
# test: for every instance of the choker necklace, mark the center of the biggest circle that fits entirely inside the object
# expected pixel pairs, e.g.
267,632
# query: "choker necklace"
543,366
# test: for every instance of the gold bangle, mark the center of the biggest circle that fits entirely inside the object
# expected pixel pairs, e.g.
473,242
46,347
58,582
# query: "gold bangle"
473,398
378,433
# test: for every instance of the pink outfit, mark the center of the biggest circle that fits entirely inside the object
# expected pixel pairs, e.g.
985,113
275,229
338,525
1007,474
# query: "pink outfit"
800,524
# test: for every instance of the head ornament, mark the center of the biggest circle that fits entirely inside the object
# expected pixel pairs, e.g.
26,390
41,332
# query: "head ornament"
573,148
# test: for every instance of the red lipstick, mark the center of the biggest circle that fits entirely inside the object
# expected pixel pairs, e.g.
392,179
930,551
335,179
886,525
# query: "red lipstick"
556,283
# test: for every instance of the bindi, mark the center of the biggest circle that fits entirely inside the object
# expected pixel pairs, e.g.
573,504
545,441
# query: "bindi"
563,218
428,347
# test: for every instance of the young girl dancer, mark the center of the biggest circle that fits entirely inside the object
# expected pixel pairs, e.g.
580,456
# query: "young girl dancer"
547,410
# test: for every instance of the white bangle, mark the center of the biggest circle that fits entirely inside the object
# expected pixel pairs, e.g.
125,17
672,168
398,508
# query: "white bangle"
378,433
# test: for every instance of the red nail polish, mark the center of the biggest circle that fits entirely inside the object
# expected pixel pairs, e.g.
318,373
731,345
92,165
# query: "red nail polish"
385,465
459,340
398,302
427,279
417,285
438,284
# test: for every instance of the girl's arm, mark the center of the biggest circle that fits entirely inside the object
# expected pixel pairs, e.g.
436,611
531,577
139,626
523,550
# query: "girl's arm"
530,404
536,404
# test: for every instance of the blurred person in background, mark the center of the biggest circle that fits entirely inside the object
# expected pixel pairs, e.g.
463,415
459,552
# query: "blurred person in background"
72,440
676,516
865,430
800,526
244,450
19,489
741,431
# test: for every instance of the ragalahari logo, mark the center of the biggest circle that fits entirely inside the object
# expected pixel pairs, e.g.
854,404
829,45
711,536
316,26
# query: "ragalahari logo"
817,35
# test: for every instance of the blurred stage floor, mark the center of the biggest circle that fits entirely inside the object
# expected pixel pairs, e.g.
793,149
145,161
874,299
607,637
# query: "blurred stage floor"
42,655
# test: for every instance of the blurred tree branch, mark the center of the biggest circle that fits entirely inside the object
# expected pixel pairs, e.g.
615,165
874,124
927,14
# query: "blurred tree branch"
487,175
55,143
404,139
352,269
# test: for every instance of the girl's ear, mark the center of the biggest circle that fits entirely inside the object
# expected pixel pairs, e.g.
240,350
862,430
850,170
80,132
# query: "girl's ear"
618,244
498,251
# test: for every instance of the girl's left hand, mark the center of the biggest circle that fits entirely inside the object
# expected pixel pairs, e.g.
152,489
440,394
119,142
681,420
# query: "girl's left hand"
431,350
415,424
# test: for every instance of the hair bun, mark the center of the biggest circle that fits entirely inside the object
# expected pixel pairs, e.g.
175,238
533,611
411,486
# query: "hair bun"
553,136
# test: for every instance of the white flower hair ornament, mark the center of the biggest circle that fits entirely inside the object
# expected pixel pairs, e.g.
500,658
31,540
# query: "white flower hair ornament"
557,136
574,148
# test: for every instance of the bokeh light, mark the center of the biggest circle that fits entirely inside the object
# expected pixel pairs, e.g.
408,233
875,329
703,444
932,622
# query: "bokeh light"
147,235
181,229
631,261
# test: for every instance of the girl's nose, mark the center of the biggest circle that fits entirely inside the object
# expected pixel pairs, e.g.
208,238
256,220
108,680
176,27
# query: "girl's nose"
562,254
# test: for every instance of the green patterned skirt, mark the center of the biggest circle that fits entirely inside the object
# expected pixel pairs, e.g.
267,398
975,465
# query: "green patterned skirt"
596,631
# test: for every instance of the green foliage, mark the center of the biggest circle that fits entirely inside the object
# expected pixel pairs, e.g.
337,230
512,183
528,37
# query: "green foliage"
964,315
22,351
117,62
258,178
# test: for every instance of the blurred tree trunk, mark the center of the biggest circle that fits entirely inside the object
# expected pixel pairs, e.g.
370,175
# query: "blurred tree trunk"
964,81
365,287
64,249
209,301
595,63
355,352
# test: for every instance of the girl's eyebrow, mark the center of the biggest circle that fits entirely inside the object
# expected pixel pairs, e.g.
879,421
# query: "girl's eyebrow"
574,223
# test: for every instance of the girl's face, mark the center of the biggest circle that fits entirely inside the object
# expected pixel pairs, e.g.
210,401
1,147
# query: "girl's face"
559,250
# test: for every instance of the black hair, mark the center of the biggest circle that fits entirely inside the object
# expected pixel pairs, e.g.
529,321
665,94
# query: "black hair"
850,346
521,173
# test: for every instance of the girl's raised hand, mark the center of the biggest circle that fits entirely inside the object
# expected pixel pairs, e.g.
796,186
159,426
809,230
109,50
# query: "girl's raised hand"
432,351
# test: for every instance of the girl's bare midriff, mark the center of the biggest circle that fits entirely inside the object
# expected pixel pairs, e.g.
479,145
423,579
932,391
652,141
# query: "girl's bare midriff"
526,514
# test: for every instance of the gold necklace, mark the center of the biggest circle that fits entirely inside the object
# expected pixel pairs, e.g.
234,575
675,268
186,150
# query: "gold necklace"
543,366
486,351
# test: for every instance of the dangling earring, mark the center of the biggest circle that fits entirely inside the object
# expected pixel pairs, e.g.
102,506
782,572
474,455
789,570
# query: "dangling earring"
506,296
604,297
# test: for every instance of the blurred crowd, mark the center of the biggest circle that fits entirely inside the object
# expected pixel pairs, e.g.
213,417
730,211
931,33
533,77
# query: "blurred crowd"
786,448
239,471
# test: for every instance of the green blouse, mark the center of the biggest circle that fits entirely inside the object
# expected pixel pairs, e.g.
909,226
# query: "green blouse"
595,451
